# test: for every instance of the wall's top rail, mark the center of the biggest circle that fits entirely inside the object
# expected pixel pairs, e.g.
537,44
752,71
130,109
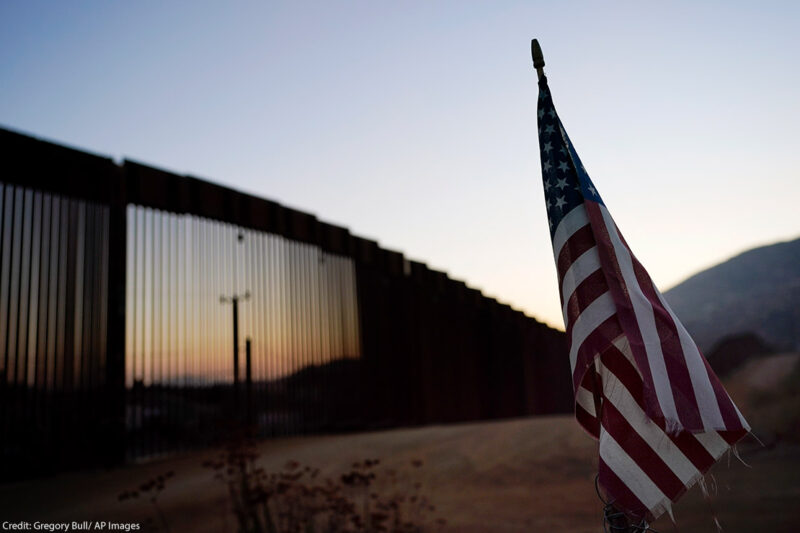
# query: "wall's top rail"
51,167
151,187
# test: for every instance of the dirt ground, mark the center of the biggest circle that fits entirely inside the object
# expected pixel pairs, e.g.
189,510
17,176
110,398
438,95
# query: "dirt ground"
510,476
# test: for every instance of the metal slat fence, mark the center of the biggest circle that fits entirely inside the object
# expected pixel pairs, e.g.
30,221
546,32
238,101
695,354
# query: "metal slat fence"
118,285
53,297
296,304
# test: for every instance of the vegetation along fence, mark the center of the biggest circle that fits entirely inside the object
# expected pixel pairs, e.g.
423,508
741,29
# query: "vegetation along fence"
144,313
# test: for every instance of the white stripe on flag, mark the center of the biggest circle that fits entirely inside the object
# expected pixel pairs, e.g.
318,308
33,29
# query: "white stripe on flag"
645,320
585,399
654,436
579,270
591,317
623,345
631,474
713,443
572,222
703,391
745,425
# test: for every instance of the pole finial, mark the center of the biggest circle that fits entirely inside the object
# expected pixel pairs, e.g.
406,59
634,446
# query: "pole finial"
538,58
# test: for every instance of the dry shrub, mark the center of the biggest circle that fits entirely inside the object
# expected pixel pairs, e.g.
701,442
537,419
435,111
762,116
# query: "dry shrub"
149,491
366,498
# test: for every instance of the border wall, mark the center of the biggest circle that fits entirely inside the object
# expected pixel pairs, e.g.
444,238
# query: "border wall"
117,340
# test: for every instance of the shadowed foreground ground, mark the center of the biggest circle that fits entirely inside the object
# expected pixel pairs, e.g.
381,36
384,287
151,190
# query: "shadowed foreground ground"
519,475
512,476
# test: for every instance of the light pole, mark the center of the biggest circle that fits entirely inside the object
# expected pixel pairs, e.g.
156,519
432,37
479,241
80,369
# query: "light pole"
235,299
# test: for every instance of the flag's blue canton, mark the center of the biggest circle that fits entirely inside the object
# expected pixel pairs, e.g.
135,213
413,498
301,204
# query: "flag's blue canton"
566,182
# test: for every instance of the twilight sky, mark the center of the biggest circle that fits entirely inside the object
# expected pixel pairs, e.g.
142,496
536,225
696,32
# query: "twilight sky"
414,123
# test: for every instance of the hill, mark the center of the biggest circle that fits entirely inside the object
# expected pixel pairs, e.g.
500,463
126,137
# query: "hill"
757,291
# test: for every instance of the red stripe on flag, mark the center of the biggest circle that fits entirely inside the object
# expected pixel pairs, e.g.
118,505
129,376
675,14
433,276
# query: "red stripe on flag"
674,358
732,437
619,365
640,452
627,316
622,497
726,407
597,342
576,245
587,421
692,449
584,294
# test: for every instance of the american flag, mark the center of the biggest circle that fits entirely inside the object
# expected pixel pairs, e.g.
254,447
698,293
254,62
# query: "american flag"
665,418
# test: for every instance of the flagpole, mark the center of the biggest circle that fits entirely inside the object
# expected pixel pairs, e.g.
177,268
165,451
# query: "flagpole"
613,517
538,58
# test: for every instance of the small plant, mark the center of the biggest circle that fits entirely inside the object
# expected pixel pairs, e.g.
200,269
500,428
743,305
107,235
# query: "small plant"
150,490
295,499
